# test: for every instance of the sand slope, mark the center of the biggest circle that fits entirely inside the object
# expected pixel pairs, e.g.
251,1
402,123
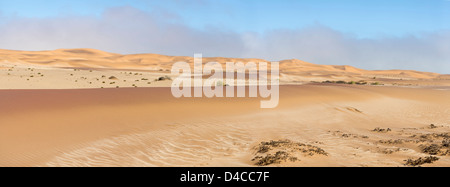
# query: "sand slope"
91,58
148,127
90,68
85,107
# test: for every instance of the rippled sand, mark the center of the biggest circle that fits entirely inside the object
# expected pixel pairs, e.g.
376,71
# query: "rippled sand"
149,127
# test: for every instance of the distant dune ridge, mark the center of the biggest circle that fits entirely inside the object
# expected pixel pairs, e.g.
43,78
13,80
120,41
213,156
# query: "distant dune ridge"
92,58
55,70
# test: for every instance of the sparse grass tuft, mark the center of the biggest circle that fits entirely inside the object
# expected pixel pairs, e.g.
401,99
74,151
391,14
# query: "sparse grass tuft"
378,129
163,78
421,161
284,150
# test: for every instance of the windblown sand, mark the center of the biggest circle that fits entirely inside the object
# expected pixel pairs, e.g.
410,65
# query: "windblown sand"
148,127
62,117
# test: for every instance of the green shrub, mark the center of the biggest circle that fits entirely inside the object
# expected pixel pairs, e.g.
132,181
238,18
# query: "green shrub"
375,83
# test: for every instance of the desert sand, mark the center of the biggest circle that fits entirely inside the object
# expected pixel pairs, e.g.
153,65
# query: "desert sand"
85,107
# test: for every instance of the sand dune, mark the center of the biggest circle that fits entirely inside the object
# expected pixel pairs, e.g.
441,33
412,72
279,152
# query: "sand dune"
90,68
148,127
85,107
91,58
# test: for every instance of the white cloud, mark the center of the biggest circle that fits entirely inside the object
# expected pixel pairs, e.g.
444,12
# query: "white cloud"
129,30
319,44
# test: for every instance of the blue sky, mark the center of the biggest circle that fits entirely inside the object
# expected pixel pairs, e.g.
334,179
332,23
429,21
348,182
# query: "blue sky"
364,18
382,34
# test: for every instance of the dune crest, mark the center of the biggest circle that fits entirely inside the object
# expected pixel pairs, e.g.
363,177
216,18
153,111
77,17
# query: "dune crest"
92,58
